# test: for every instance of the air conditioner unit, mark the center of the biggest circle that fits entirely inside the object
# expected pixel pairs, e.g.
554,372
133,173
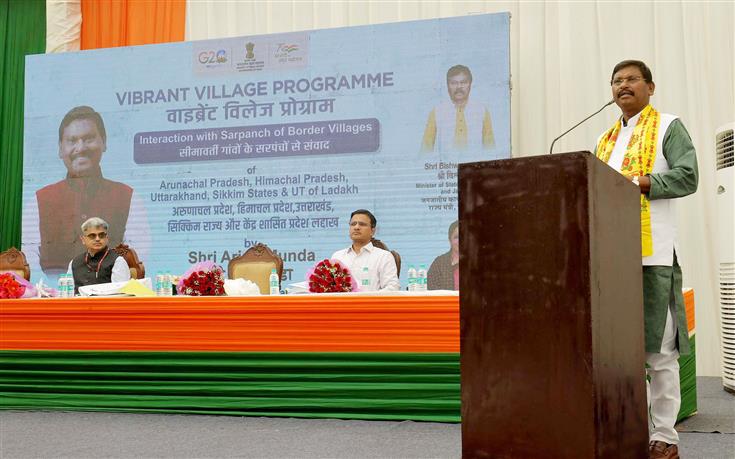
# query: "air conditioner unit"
725,200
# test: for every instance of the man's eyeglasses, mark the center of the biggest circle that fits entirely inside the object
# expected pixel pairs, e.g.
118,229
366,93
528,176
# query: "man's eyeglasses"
93,236
618,82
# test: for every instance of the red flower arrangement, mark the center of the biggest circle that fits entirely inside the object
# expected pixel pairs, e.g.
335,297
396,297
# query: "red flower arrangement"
202,279
331,276
10,287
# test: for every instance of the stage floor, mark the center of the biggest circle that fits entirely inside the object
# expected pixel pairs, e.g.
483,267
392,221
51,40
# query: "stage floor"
97,435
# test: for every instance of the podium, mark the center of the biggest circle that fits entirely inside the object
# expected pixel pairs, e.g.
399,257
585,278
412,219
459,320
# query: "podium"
551,310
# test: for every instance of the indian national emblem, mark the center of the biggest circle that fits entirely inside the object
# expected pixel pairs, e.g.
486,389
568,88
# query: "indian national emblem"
249,54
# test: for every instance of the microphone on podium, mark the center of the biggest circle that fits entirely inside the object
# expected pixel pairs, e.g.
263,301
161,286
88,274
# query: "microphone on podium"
572,128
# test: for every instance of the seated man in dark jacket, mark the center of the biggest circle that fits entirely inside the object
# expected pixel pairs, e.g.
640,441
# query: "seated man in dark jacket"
99,264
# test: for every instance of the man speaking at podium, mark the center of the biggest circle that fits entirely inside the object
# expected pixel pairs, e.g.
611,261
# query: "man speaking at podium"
654,150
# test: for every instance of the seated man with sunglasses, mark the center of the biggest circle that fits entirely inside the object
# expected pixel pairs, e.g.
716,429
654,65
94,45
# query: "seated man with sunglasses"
99,264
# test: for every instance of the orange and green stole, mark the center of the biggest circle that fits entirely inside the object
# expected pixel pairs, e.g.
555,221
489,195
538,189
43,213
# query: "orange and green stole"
638,161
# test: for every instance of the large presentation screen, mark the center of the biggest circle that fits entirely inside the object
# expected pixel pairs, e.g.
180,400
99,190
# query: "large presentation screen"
198,150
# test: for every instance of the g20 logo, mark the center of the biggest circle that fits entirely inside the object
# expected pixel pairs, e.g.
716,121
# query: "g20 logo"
212,57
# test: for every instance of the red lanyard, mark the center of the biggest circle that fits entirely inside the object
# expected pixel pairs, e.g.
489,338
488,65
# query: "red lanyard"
86,262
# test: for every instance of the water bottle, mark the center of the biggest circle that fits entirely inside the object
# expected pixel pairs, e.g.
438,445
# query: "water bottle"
159,284
61,285
412,275
273,282
422,281
69,286
365,279
167,284
163,283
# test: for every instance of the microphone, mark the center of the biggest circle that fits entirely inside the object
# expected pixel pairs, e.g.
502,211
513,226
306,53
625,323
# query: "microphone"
572,128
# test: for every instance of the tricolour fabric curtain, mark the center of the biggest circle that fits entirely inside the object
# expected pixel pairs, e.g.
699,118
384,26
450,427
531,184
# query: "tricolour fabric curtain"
303,323
688,363
63,25
370,386
22,32
315,356
311,356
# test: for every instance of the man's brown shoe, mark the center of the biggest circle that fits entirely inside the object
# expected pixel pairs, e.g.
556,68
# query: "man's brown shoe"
662,450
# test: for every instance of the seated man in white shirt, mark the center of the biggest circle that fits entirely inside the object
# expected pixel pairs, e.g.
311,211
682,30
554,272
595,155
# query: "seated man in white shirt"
381,266
99,264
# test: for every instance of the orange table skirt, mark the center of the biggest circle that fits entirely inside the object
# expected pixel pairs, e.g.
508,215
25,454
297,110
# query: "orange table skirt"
309,323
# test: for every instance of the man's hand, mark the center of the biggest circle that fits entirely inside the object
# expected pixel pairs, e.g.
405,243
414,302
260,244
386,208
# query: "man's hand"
644,182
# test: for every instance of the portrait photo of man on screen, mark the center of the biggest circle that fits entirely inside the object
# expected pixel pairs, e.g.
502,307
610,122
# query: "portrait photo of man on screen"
84,192
459,123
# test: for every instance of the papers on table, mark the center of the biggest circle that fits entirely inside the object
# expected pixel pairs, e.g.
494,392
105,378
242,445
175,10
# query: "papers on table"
133,287
298,287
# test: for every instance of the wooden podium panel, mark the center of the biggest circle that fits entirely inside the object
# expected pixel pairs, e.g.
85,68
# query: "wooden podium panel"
551,310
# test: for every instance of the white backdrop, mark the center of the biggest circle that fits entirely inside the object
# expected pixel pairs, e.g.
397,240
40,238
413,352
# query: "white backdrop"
561,58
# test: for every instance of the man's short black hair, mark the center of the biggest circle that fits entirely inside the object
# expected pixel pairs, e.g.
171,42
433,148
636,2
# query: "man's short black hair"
452,227
645,71
457,69
83,113
373,221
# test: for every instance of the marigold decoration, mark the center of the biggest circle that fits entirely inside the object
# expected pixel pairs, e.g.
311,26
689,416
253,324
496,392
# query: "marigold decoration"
10,287
330,276
202,279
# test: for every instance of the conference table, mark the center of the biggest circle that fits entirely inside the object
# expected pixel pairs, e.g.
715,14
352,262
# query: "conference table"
353,356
